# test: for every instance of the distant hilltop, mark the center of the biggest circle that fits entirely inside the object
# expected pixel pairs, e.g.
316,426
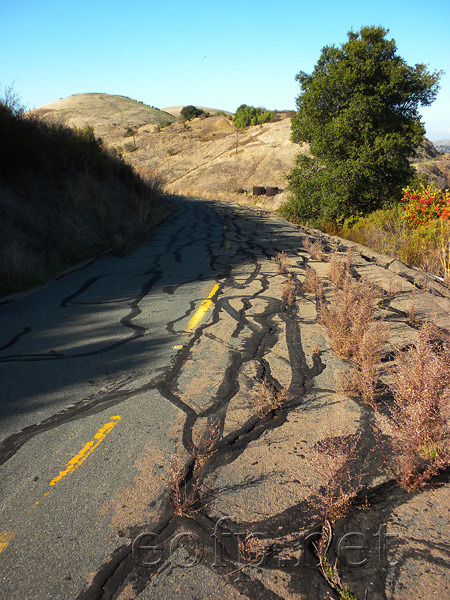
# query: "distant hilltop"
207,156
103,112
442,146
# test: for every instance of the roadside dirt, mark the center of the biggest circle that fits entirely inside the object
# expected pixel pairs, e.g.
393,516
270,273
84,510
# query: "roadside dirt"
251,468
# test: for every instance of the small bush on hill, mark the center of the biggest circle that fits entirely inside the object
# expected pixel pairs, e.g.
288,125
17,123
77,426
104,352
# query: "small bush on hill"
425,204
249,115
190,112
418,233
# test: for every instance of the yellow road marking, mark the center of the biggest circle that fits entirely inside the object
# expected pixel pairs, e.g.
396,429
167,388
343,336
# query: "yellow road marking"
201,311
5,538
79,458
228,245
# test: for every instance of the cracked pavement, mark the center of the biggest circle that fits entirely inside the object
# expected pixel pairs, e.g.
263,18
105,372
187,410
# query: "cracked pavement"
103,382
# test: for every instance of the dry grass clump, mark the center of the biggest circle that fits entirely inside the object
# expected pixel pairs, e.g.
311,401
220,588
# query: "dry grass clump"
312,284
419,420
340,269
289,291
281,260
268,399
314,248
354,332
331,462
184,499
204,448
348,315
250,548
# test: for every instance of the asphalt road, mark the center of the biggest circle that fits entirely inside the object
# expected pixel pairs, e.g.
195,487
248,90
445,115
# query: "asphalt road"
197,348
80,365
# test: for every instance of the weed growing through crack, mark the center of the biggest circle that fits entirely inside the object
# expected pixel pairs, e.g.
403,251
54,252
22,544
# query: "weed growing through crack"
337,484
331,462
314,249
412,319
204,448
250,548
338,270
365,371
312,284
281,260
184,501
331,575
353,330
346,317
268,399
289,291
418,422
393,289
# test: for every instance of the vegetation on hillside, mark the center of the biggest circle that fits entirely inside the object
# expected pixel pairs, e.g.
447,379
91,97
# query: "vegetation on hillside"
358,110
63,198
417,232
249,115
190,112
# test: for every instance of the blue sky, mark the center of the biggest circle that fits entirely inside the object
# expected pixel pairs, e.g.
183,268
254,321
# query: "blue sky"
221,55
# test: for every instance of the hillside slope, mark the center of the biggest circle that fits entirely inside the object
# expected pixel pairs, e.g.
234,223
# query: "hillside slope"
210,157
108,114
64,198
206,156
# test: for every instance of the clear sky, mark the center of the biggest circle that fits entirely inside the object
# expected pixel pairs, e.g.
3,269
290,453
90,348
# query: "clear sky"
214,54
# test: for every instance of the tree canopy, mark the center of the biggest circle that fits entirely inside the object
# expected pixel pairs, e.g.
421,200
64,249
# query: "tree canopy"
249,115
358,110
190,112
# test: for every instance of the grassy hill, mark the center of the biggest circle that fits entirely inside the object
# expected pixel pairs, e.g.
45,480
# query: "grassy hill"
108,114
206,156
64,198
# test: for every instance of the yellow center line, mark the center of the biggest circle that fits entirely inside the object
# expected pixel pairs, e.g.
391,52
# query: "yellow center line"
201,311
228,245
5,538
79,458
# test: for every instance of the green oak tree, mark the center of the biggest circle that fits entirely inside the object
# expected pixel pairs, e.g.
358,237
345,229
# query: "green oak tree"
358,111
249,115
190,112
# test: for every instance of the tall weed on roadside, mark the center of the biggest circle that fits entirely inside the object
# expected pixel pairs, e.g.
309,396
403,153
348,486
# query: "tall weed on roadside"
418,423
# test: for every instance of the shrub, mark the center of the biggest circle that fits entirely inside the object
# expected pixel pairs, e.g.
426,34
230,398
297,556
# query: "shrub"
163,124
289,291
190,112
281,260
425,204
386,231
249,115
419,419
